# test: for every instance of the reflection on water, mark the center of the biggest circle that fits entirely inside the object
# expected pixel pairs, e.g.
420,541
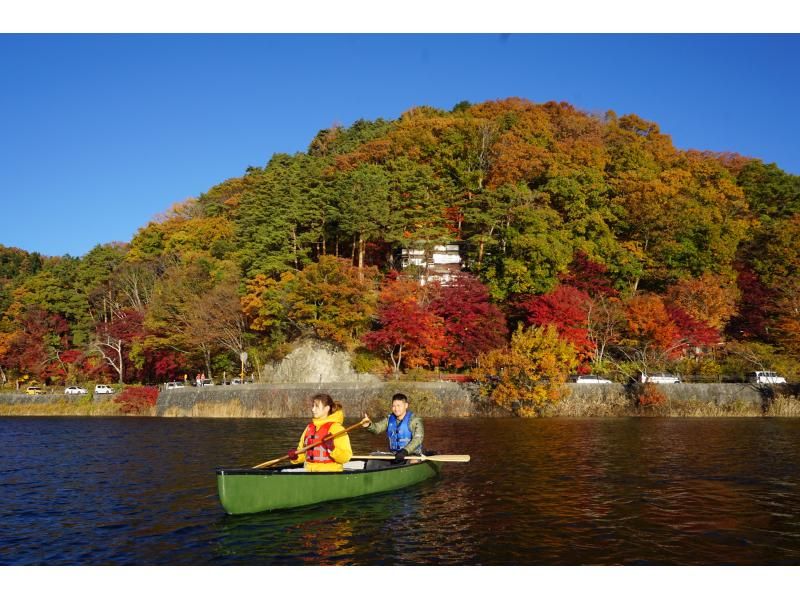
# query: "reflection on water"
610,491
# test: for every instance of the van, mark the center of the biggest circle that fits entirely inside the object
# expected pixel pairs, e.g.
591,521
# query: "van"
103,389
765,377
659,378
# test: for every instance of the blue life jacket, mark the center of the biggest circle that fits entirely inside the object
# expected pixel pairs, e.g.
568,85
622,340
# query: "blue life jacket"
399,436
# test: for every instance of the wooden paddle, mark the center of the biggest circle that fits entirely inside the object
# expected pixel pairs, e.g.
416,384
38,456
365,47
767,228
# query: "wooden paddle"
312,445
442,458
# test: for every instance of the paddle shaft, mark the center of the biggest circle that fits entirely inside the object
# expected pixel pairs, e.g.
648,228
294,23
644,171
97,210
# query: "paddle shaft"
441,458
312,445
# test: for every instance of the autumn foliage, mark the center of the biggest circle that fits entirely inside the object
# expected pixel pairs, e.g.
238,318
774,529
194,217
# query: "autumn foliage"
530,373
472,324
634,253
137,399
407,331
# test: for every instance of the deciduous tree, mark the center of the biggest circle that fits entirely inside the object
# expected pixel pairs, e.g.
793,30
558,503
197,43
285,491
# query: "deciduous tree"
530,373
407,331
472,324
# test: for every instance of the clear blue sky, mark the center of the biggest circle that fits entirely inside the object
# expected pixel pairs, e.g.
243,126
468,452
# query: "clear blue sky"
100,133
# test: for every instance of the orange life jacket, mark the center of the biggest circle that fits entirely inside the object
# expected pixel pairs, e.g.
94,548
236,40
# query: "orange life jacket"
318,454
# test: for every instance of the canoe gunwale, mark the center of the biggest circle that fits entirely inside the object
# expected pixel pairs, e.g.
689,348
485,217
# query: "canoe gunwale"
280,471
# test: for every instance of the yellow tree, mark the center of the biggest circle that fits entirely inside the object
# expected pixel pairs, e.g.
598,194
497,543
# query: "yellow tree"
530,373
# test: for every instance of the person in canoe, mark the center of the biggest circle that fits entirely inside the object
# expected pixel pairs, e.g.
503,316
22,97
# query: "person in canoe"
331,454
404,429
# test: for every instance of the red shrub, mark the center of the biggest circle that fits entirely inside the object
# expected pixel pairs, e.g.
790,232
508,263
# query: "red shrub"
651,396
137,399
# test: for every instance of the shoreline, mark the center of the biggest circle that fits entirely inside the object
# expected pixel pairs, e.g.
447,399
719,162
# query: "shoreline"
428,399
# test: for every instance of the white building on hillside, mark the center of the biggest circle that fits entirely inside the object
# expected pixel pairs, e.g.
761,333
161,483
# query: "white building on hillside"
440,263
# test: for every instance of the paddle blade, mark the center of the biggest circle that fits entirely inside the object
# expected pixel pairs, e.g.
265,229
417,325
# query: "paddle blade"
446,458
440,458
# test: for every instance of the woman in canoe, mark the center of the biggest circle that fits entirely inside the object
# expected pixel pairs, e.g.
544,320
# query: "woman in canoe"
331,454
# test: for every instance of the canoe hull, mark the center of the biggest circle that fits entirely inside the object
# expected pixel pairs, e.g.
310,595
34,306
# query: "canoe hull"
255,490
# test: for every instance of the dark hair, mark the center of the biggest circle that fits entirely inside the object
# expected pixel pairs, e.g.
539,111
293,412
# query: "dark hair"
326,399
399,396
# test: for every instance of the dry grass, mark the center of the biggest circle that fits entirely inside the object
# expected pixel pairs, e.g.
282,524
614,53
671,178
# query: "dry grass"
63,407
784,407
596,406
230,408
691,408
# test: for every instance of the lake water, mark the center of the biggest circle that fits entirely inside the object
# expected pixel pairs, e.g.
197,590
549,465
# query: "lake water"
600,491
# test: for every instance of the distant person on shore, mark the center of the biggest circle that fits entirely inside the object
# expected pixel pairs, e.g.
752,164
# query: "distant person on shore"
331,455
404,429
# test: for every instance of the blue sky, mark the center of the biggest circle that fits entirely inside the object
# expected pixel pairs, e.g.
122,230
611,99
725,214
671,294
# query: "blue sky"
100,133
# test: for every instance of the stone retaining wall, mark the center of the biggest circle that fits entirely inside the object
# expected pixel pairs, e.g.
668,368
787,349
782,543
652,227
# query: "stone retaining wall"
434,399
448,399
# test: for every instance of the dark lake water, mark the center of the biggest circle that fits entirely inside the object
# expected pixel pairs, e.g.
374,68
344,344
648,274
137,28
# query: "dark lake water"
600,491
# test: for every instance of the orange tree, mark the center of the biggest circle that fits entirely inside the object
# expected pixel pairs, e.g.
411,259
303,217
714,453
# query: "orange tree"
530,373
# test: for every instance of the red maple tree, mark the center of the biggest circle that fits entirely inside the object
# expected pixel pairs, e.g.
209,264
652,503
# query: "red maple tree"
407,331
588,276
566,307
472,323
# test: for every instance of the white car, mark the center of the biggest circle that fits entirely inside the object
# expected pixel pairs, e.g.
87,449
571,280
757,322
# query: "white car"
171,385
103,389
766,377
75,390
660,379
592,380
207,382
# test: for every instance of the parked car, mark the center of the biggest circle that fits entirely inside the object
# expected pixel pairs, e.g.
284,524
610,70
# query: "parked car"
103,389
238,380
34,390
592,380
172,385
660,378
765,377
207,382
75,390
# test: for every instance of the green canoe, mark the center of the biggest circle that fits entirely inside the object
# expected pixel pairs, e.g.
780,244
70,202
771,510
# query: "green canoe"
254,490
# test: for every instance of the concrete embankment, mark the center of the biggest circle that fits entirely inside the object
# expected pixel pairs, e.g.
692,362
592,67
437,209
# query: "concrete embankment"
680,400
431,399
447,399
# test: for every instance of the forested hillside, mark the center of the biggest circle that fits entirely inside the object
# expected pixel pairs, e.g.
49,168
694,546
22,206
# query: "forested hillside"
639,255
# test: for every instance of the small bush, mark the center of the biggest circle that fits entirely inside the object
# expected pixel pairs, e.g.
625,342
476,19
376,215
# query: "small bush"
419,375
650,396
137,399
366,362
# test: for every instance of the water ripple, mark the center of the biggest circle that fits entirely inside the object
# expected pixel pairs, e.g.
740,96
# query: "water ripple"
606,491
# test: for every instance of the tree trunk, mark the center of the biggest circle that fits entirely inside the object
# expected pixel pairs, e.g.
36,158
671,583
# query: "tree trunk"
294,248
121,363
207,356
361,250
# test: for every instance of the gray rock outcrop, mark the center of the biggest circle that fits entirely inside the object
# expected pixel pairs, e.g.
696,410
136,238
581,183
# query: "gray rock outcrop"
315,362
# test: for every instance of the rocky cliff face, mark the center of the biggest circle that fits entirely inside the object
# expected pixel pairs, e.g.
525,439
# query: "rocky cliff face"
315,362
